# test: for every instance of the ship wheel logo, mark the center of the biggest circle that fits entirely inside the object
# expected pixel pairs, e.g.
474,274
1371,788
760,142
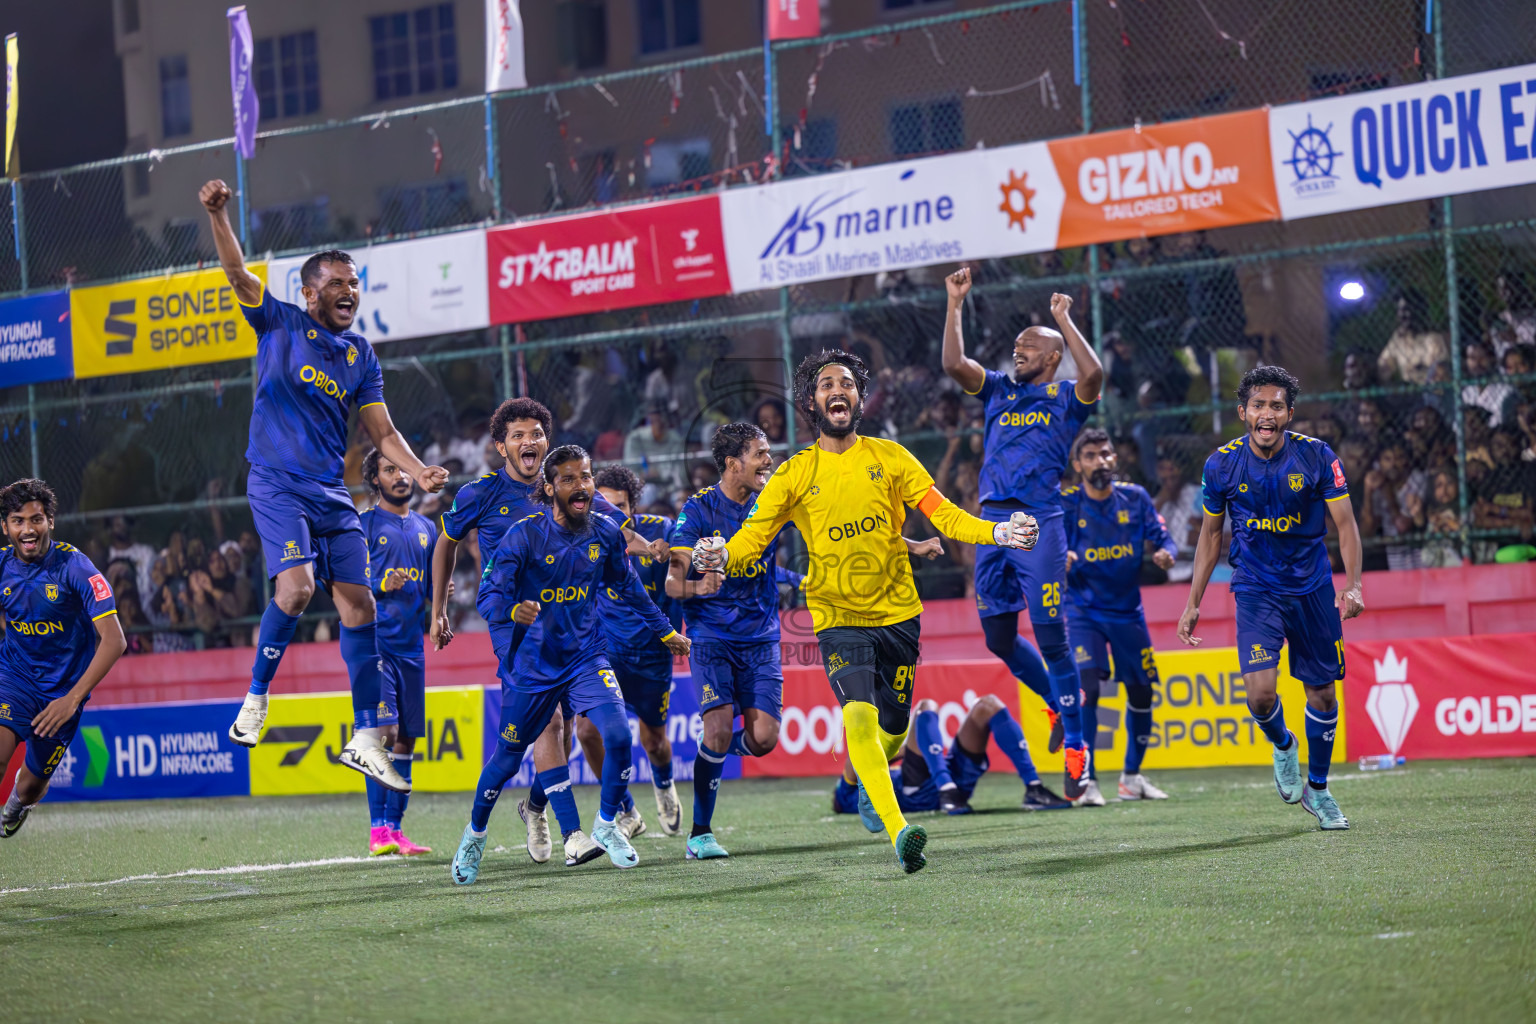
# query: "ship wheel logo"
1016,197
1312,153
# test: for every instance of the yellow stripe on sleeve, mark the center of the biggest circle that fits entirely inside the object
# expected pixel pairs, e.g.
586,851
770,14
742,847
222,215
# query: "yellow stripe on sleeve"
104,614
1337,497
1209,512
253,305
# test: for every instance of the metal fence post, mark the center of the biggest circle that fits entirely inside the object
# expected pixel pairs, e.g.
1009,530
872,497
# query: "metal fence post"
1435,22
1095,299
505,332
786,335
37,470
492,160
19,232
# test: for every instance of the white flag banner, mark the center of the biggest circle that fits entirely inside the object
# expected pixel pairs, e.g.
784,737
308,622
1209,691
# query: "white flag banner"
504,67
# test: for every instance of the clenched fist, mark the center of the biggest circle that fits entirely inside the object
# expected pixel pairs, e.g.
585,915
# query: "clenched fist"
1020,531
214,195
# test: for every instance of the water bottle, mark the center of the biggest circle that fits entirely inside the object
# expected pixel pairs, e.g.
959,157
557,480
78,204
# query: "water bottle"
1381,763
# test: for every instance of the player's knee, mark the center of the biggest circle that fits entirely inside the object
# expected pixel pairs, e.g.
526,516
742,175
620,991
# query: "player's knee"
1052,638
985,707
927,704
585,730
1001,633
765,736
1138,696
1322,699
615,733
294,597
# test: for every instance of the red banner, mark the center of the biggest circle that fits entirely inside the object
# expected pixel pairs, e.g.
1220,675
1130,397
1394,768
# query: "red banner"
1461,697
794,19
631,256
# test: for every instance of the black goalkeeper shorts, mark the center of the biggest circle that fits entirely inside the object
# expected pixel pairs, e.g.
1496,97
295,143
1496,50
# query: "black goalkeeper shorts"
876,665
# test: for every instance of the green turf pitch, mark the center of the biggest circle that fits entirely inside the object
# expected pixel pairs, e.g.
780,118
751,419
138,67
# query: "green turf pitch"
1222,904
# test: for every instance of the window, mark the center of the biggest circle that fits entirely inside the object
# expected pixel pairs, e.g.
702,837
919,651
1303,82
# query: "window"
175,97
414,52
583,34
816,150
288,75
301,225
667,24
936,127
674,162
434,204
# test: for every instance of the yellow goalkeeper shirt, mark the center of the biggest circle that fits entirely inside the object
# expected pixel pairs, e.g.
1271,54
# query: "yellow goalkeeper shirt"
849,507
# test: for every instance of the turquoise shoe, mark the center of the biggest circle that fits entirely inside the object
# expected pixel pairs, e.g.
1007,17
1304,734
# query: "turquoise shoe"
1288,778
610,837
704,847
1320,803
466,860
909,848
867,813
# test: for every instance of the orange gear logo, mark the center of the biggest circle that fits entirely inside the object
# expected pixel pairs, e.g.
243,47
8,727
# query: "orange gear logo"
1016,197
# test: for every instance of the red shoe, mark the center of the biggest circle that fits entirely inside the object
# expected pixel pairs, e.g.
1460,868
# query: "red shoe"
1058,733
407,847
1078,763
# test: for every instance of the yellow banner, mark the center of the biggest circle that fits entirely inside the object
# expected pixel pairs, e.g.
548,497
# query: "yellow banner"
305,733
1199,716
160,322
12,105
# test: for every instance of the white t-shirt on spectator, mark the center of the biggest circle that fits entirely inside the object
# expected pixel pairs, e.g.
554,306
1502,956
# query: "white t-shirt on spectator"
143,558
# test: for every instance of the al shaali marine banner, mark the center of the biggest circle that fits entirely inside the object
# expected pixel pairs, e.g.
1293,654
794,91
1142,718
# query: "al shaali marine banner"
155,323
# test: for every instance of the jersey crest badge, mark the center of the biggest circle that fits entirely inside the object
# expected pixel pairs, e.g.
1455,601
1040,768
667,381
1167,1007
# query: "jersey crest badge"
313,334
423,538
1297,481
290,550
351,354
100,588
51,591
1122,517
383,540
1052,389
5,712
876,472
593,550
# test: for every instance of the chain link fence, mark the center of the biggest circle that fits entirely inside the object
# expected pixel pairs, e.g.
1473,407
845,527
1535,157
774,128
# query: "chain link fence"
1412,326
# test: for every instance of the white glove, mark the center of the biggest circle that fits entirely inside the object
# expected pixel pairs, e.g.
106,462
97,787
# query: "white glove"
709,554
1020,531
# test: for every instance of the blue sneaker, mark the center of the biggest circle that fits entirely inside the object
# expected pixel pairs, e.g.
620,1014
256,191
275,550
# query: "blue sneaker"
1288,778
867,813
466,860
610,837
1321,805
704,847
909,848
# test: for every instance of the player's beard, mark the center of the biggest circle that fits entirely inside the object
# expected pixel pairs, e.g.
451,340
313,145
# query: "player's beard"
31,545
855,413
575,521
1101,478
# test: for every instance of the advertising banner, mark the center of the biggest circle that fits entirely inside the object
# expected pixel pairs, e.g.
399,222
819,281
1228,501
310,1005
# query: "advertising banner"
1200,718
1385,146
684,727
942,209
794,19
153,750
630,256
410,289
306,732
35,339
156,323
1208,172
1466,696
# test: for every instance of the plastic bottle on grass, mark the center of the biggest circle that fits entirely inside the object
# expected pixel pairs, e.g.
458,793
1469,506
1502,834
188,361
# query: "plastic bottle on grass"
1382,763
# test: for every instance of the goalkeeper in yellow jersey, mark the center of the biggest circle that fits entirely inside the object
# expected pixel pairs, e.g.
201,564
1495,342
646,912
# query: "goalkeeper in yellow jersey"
846,494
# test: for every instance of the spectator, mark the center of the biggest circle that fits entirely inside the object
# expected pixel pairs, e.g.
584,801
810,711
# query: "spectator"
1488,392
467,446
130,615
1383,513
254,562
1412,354
167,608
1515,325
1505,500
1128,462
769,417
1477,436
1525,419
1429,439
1438,518
123,546
1368,422
702,475
1213,314
656,450
1178,502
213,599
1517,362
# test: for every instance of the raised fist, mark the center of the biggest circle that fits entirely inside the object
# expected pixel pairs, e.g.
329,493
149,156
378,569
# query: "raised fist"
958,284
214,195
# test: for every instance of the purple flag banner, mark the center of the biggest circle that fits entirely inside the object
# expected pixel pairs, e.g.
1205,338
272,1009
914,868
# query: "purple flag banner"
242,85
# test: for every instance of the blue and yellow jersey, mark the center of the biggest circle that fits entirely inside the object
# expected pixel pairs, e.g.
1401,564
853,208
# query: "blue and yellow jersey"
1107,537
625,628
746,607
539,560
493,502
51,607
1277,510
1028,440
402,546
308,380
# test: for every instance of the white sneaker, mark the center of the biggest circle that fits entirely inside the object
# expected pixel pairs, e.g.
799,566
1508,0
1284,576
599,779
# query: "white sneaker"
1091,796
579,848
669,810
365,753
630,823
1136,787
539,845
248,723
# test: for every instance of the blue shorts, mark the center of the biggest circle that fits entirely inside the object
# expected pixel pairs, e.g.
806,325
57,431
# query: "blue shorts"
915,788
645,679
744,675
1094,640
1308,623
18,706
403,695
301,521
525,712
1009,580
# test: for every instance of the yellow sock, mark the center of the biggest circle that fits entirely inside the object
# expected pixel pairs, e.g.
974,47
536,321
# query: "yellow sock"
861,727
890,743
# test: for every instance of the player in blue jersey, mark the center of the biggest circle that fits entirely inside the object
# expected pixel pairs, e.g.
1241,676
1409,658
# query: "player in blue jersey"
1031,420
935,778
642,664
1281,488
400,556
544,578
61,638
733,621
1108,523
311,372
520,430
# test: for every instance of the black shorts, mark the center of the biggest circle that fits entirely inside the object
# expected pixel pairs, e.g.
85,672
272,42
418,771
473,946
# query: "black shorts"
876,665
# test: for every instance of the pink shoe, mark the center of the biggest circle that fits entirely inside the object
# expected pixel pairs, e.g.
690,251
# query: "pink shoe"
405,846
382,840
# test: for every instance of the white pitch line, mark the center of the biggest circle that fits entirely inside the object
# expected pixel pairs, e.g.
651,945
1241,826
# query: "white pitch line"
239,869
